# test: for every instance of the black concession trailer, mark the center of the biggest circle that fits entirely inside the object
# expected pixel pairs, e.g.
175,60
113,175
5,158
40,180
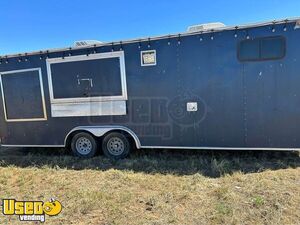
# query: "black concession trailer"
212,87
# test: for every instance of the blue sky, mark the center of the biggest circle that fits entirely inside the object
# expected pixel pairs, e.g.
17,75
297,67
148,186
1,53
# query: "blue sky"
28,25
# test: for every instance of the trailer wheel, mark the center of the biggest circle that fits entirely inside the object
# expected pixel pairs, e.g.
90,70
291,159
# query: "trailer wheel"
116,146
84,145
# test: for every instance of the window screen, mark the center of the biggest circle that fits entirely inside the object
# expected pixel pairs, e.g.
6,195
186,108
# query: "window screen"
249,50
23,96
87,78
272,48
262,49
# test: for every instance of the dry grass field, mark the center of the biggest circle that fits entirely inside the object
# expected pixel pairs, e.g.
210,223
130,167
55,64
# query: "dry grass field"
157,187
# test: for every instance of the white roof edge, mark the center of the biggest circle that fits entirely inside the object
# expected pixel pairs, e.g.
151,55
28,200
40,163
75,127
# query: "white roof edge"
136,40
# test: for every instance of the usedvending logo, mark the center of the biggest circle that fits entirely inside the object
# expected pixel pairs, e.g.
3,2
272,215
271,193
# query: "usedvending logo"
31,210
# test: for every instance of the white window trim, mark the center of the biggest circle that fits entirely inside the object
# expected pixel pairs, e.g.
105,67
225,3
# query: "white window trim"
42,95
118,54
151,64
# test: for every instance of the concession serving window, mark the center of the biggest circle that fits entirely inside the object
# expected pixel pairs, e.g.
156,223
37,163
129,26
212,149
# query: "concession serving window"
93,85
23,95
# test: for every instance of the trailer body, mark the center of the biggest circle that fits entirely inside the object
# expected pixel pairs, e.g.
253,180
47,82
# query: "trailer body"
227,88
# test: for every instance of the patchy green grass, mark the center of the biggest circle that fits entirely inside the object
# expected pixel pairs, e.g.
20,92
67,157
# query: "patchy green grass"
157,186
258,201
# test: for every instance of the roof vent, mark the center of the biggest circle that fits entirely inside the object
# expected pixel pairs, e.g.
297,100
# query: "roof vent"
205,27
86,43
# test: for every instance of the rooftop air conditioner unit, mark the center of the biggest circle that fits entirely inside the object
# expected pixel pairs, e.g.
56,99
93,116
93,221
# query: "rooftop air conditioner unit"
205,27
86,43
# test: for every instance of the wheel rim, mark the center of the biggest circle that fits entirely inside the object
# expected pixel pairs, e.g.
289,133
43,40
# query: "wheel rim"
84,146
115,146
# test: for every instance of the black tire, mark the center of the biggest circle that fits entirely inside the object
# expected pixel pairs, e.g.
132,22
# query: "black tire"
116,146
84,145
